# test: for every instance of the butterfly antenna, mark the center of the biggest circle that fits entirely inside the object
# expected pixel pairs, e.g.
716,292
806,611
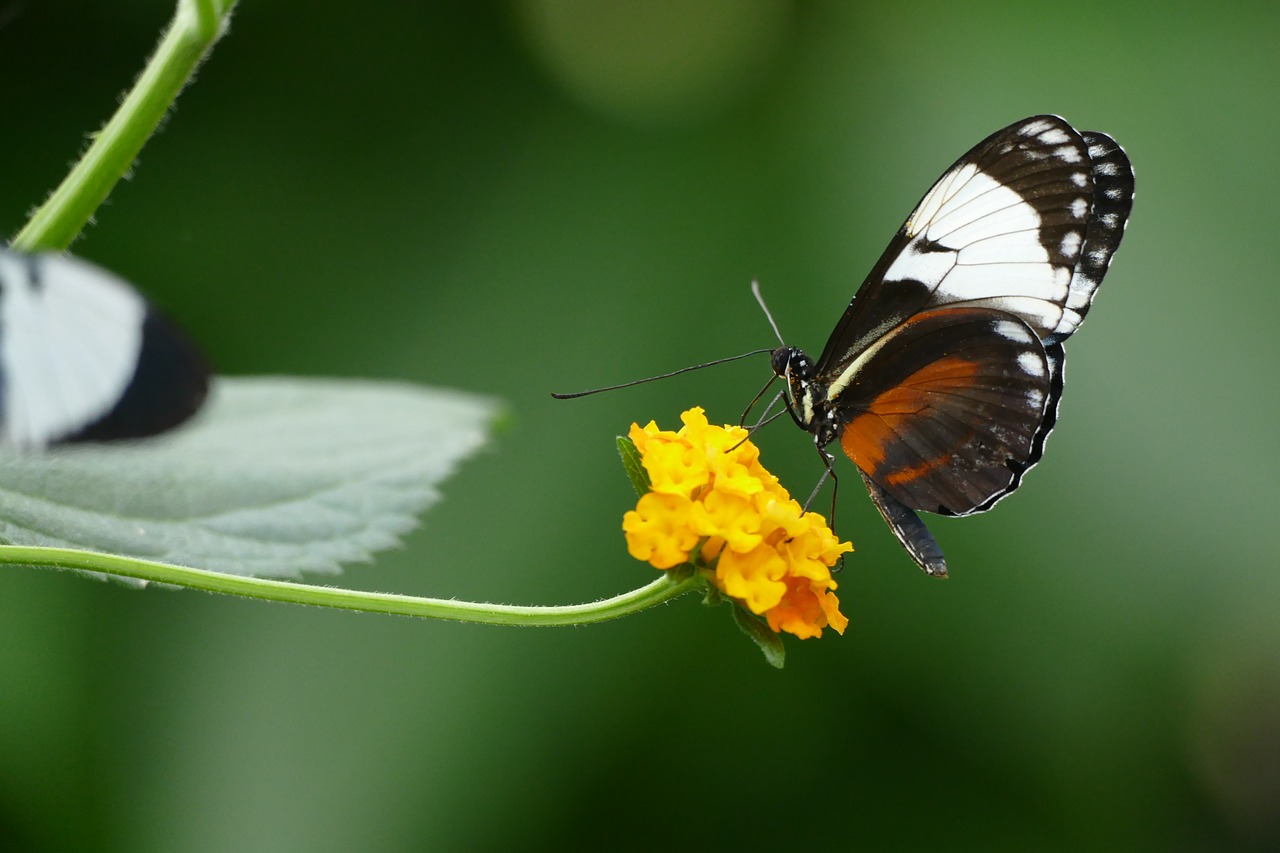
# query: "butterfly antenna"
755,289
576,394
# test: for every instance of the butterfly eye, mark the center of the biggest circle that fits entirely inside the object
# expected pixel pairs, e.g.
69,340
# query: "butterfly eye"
780,360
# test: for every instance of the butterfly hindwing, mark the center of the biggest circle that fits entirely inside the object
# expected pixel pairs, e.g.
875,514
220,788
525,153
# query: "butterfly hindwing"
946,413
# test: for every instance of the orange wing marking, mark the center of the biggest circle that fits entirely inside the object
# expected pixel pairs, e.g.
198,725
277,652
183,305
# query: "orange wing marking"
868,437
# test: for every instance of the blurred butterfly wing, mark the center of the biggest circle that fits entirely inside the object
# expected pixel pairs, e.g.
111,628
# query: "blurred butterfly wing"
169,384
84,357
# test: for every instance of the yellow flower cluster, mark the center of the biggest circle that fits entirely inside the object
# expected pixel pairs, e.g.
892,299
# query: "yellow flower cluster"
711,497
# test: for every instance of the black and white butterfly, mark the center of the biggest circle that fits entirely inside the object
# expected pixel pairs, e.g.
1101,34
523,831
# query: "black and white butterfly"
84,357
942,379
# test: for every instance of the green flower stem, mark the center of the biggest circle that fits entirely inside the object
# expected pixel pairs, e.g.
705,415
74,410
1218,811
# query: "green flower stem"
668,586
196,26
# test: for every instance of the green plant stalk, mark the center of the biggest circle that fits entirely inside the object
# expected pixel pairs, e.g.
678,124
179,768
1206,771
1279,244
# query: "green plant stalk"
196,26
670,585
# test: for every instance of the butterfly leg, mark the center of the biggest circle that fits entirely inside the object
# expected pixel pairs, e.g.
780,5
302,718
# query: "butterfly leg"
756,399
829,471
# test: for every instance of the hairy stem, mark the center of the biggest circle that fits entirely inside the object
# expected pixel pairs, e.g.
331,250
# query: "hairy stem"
668,586
196,26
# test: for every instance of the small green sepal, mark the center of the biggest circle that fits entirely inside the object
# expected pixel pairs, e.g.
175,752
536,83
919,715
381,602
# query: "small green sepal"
769,643
631,464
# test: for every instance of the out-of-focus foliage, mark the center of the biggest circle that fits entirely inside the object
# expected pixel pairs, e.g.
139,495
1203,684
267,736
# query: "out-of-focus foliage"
519,198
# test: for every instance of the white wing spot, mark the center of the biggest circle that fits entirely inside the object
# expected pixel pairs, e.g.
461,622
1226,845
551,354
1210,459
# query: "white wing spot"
1056,136
1010,330
1080,208
1068,154
1070,244
1108,169
1029,364
1080,179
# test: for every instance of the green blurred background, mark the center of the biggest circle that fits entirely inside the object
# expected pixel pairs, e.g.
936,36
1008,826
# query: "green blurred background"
523,197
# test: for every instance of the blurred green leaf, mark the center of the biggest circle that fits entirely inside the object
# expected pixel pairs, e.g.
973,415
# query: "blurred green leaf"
274,478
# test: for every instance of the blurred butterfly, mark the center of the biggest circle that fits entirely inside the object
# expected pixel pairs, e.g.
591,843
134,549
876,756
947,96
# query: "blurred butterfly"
942,379
84,357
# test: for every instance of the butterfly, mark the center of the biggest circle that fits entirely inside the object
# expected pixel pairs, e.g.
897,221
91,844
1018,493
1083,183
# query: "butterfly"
84,357
942,379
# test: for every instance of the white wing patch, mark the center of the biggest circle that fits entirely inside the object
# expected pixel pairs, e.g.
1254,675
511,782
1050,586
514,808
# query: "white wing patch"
937,197
995,252
928,268
987,281
70,336
999,223
1054,136
978,197
976,241
1004,249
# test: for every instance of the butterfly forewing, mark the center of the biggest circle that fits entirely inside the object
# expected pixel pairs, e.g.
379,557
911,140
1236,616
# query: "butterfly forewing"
1003,229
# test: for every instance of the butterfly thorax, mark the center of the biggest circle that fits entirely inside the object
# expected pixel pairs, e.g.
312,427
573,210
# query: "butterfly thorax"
806,399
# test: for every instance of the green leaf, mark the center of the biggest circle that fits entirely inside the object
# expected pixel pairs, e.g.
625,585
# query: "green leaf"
631,464
275,477
769,642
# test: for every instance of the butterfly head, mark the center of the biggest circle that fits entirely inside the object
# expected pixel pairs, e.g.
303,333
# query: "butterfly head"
806,399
